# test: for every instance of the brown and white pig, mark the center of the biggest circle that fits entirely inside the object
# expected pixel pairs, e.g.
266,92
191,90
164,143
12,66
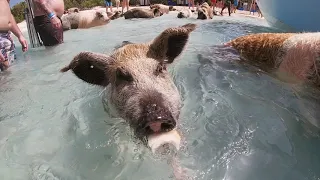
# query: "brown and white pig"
292,57
162,8
205,11
84,19
142,13
140,88
185,13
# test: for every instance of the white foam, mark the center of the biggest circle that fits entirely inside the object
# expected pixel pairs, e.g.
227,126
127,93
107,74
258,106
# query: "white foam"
157,140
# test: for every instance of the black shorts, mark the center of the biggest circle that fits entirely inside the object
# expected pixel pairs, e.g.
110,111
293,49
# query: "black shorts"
49,35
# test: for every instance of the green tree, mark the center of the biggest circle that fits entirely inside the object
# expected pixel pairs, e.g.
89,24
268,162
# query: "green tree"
18,11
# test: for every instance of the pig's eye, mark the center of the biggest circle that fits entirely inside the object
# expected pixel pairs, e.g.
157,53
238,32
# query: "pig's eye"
123,75
160,68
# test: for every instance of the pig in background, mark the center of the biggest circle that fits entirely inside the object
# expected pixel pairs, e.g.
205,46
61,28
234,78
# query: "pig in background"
162,8
185,13
142,13
205,11
140,88
84,19
292,57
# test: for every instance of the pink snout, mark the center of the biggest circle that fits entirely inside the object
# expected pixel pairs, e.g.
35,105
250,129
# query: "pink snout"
157,127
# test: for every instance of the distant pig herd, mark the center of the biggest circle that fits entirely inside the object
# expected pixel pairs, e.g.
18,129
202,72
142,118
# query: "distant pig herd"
87,18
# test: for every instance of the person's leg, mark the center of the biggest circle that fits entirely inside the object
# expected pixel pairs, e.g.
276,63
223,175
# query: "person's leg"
214,5
110,3
49,35
117,4
106,3
223,9
229,8
192,4
122,5
254,8
127,1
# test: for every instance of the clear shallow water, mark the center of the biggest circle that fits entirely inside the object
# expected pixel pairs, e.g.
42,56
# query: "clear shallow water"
238,122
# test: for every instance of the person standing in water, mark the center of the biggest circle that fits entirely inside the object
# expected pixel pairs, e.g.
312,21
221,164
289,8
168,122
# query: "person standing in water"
213,5
47,21
125,3
191,3
108,4
7,46
227,4
117,4
235,5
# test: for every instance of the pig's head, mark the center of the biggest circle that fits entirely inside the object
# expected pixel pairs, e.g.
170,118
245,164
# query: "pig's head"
101,17
184,13
141,89
157,12
203,11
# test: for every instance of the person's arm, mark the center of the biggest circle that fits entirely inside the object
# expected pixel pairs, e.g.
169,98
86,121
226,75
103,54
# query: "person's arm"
43,4
16,31
14,27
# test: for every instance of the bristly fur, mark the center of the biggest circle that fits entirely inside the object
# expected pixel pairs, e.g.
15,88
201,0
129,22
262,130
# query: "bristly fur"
295,54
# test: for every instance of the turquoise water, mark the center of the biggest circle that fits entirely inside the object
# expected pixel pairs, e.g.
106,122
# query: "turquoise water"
238,122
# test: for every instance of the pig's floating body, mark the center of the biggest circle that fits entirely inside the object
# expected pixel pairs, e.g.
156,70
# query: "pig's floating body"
142,13
84,19
163,8
185,13
285,54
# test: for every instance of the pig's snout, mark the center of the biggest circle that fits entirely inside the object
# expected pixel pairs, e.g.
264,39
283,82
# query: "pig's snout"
155,116
160,126
157,119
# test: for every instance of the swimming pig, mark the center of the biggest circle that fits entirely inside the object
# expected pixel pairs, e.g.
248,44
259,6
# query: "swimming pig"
140,88
162,8
292,57
84,19
142,13
205,11
184,13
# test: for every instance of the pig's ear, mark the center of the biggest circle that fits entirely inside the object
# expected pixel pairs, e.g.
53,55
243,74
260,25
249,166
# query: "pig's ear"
90,67
170,43
99,14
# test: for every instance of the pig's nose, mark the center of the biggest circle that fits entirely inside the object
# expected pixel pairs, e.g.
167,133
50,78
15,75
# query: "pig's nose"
160,126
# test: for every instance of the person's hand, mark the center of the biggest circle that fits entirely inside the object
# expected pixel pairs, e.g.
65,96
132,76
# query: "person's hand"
1,58
23,43
56,22
3,63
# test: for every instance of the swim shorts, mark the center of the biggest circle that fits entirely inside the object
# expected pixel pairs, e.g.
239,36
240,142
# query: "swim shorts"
49,35
235,3
7,49
108,2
